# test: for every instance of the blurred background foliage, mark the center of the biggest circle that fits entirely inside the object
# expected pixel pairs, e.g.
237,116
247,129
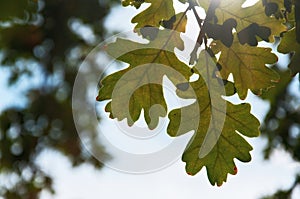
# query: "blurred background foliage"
48,37
281,125
52,37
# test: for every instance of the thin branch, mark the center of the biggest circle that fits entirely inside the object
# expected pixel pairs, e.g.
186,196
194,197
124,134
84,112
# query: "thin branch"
202,24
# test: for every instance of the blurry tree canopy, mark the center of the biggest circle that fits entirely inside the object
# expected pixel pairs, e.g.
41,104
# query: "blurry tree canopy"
281,125
43,36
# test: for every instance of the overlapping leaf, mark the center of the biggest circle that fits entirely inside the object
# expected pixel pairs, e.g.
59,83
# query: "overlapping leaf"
168,38
176,25
247,65
218,124
289,44
157,11
139,86
273,95
246,16
273,7
229,144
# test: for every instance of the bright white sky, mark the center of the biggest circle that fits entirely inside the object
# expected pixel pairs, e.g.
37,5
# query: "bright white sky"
254,179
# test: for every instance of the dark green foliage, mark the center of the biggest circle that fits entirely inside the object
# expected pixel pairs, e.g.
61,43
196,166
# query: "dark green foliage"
18,9
297,18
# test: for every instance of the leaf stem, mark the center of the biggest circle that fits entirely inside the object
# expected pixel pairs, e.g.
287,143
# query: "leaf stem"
202,24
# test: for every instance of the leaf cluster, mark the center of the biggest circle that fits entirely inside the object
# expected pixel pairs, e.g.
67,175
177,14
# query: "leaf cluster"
229,34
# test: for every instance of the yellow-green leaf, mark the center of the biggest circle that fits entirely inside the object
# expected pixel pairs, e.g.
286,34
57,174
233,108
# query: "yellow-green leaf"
246,16
247,65
136,3
221,143
158,10
177,25
140,85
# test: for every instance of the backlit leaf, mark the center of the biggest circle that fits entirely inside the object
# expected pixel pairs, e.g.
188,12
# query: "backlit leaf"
177,25
228,143
248,67
289,44
246,16
136,3
140,85
157,11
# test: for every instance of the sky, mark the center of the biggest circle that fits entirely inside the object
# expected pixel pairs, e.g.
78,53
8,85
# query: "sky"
254,179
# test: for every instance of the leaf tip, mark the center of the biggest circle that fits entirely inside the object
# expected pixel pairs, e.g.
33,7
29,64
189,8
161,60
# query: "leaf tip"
235,170
219,184
190,173
98,98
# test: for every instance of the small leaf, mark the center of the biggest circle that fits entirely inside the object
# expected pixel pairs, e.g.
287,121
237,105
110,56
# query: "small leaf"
169,23
248,34
158,10
271,8
222,32
136,3
149,32
176,26
276,93
289,44
288,5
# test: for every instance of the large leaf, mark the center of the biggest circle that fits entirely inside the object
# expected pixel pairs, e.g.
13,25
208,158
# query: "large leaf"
289,44
246,16
140,85
247,65
158,10
213,146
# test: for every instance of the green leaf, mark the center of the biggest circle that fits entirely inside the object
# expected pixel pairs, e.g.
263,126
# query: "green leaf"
177,25
140,85
274,94
289,44
136,3
18,9
183,1
168,38
248,66
222,32
158,10
213,146
246,16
